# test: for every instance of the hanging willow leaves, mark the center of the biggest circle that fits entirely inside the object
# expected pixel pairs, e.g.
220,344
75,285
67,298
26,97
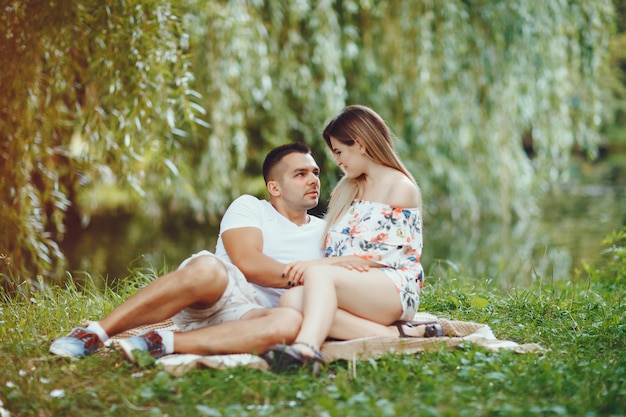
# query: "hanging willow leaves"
87,93
179,101
461,83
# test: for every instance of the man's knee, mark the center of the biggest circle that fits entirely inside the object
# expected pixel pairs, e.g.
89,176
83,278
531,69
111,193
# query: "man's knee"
206,276
283,324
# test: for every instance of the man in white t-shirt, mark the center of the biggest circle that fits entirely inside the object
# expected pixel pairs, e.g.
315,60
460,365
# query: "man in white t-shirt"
208,296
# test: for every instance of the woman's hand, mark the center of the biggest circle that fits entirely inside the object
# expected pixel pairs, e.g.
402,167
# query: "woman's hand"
353,263
294,272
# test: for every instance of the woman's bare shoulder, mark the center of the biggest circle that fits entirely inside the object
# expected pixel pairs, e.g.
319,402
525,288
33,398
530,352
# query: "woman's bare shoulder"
404,193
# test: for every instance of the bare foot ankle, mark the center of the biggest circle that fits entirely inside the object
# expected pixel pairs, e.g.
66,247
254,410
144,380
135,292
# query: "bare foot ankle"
307,350
407,330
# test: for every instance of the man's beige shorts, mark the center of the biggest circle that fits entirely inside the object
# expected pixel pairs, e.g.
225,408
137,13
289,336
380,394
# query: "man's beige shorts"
239,298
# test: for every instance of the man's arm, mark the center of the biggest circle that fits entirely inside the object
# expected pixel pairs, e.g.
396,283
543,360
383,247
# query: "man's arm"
244,246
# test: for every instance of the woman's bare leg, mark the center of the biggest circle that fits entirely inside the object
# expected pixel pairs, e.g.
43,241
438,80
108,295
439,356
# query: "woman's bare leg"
370,295
347,326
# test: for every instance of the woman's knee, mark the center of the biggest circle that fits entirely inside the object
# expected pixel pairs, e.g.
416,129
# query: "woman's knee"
292,299
320,272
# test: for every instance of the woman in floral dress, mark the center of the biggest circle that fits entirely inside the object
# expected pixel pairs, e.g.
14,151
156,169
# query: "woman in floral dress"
372,276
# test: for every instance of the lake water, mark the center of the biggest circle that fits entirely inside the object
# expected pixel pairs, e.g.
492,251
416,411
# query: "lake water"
575,219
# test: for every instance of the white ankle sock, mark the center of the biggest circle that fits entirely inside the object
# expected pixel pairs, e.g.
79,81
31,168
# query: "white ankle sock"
168,340
95,327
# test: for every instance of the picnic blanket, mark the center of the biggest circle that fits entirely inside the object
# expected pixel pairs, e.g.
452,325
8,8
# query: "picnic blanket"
456,333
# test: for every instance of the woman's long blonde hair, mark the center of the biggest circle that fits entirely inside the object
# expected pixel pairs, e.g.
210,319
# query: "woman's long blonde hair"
362,124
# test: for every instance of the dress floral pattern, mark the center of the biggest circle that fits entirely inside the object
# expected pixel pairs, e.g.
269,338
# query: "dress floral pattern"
391,236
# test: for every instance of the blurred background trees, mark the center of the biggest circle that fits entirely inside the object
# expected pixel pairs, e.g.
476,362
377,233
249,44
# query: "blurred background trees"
168,107
92,93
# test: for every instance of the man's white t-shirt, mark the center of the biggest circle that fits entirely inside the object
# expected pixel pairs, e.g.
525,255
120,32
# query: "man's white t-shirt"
283,240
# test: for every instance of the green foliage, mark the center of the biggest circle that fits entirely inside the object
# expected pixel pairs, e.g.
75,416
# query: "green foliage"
470,79
460,83
90,91
613,272
269,73
180,100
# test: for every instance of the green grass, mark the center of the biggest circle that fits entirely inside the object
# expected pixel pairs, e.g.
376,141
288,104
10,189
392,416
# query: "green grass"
582,322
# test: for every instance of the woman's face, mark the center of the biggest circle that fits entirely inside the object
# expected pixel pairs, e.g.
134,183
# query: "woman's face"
349,158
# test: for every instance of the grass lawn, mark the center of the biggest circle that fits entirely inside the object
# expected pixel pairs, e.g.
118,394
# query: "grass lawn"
582,322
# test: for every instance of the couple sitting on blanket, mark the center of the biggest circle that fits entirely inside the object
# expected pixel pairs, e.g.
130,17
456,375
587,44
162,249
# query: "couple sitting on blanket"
281,281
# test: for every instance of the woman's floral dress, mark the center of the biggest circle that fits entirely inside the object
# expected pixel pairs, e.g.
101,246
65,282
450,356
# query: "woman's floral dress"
387,235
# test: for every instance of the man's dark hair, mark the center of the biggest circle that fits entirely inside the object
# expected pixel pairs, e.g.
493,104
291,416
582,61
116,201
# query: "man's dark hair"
276,154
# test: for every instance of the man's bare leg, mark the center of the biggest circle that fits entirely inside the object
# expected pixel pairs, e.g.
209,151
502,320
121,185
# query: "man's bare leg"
255,332
200,283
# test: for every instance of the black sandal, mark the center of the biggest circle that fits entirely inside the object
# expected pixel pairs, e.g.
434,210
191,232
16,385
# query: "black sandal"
282,358
432,329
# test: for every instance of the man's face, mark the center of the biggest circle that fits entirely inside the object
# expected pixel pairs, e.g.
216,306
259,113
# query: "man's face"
297,176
